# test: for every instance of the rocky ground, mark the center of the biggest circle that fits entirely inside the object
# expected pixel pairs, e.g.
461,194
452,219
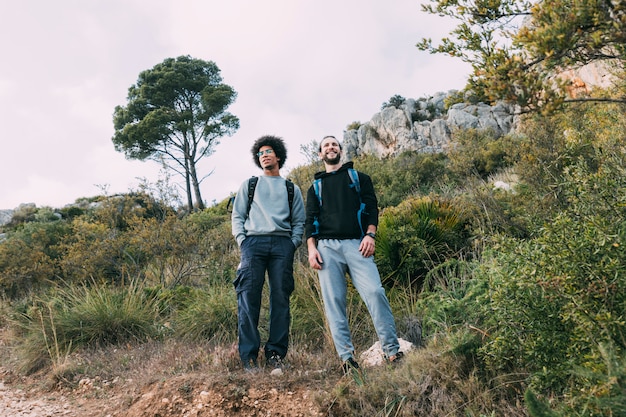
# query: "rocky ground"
157,380
173,379
247,394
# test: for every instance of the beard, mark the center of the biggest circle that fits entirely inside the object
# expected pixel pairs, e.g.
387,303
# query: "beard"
332,161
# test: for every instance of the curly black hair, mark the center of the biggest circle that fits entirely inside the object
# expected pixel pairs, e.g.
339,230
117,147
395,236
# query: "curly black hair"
274,142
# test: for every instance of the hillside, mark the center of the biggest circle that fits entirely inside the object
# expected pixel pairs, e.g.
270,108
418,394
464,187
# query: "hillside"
148,387
174,380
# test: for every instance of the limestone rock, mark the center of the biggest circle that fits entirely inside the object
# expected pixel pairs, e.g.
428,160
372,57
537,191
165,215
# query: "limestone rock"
424,126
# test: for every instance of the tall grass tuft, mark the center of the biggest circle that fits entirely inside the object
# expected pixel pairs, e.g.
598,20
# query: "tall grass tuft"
308,323
82,316
209,314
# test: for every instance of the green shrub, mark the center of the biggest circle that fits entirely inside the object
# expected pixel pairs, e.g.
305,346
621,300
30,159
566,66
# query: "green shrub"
29,257
354,125
398,178
95,251
395,101
477,152
415,236
556,299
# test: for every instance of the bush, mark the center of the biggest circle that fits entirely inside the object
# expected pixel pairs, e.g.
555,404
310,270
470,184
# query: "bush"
29,257
415,236
477,152
556,299
396,179
80,316
209,314
95,251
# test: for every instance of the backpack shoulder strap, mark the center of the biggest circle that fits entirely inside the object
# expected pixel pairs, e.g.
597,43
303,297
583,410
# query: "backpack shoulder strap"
317,187
290,193
354,179
251,187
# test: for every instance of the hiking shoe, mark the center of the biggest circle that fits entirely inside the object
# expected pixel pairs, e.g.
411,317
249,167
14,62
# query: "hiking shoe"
250,365
352,369
274,360
350,365
395,359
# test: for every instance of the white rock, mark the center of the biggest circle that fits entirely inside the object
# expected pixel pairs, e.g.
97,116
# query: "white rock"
375,356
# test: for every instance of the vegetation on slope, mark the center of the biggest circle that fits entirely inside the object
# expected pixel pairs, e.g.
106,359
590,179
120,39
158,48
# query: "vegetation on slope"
519,293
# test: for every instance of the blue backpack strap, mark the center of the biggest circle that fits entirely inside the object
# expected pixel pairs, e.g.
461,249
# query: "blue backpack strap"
251,187
354,179
317,187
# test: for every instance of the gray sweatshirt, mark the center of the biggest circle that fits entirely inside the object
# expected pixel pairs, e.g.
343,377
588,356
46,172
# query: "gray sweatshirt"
269,212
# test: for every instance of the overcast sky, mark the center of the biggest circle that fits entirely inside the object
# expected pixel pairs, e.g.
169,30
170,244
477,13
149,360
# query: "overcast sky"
301,69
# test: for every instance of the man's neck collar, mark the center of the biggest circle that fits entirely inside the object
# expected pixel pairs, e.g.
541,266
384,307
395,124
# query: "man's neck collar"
333,168
271,173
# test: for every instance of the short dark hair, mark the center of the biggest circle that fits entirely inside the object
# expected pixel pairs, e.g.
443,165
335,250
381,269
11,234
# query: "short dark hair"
274,142
319,148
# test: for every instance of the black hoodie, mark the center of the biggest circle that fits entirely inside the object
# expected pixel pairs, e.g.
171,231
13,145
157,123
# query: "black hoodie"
337,216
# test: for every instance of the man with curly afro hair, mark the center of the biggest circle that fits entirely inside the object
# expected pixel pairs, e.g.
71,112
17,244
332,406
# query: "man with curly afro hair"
268,229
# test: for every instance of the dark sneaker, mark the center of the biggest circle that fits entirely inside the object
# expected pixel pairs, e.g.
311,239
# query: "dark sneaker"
349,365
274,360
396,359
351,368
250,365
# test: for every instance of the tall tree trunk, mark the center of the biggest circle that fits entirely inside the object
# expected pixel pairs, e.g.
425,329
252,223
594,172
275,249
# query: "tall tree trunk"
196,187
188,189
188,181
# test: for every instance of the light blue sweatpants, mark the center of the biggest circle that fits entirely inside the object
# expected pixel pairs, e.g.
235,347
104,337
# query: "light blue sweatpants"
341,256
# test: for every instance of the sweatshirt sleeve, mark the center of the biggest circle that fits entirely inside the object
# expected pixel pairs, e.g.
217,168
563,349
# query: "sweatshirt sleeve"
239,214
297,217
368,196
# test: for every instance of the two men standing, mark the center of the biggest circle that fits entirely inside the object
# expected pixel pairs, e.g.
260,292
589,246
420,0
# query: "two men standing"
340,229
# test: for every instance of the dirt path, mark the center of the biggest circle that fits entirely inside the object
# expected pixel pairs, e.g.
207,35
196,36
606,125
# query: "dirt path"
14,402
163,398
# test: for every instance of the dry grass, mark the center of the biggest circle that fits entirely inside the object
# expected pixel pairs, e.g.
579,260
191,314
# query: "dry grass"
430,382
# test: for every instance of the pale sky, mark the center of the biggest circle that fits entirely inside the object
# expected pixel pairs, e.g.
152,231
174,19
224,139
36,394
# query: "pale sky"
301,69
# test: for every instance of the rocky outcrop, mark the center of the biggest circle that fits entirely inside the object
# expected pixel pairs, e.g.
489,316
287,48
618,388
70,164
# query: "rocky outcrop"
424,125
5,216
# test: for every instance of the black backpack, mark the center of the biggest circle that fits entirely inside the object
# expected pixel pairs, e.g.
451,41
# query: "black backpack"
252,186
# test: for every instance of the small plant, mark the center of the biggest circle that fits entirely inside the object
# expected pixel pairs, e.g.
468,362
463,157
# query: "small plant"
354,126
395,101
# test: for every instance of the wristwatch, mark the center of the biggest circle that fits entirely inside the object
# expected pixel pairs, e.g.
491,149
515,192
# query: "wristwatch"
370,234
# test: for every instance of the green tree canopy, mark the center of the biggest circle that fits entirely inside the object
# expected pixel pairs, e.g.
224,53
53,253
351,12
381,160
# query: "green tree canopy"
176,113
516,47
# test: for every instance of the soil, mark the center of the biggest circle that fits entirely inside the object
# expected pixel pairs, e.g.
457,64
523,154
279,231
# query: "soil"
260,393
245,394
160,381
